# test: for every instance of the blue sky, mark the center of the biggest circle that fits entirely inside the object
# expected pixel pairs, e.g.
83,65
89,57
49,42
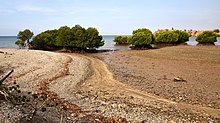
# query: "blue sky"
109,17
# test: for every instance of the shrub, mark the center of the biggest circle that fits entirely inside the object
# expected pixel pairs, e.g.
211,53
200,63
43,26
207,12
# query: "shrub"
207,37
183,36
171,36
167,37
121,39
141,38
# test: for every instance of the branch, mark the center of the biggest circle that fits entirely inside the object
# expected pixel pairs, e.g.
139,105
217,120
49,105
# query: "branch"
8,74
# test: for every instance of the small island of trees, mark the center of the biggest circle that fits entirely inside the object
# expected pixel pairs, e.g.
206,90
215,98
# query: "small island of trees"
75,38
121,40
141,39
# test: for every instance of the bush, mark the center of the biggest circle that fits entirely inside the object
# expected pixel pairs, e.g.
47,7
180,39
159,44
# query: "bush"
167,37
183,36
121,39
141,38
207,37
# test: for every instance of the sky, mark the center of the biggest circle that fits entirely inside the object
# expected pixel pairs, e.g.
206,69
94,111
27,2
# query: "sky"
110,17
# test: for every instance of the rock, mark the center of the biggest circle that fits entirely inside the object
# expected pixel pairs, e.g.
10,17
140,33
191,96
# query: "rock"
179,79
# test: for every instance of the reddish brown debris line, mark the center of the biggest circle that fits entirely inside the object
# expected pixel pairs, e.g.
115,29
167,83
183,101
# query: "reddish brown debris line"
43,88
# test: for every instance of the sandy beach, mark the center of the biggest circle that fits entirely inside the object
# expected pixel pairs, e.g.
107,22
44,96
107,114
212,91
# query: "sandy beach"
136,85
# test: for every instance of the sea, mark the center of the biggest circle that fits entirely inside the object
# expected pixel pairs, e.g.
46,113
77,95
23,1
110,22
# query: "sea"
9,42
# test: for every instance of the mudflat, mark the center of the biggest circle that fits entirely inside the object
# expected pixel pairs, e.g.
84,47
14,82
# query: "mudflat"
155,71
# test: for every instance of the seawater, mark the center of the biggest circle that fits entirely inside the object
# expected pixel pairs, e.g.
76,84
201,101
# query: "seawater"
110,44
9,42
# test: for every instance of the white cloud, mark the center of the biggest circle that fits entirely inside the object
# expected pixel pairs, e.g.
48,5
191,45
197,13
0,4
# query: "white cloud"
31,8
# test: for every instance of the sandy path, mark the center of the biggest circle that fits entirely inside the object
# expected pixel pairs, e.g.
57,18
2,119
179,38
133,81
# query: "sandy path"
102,79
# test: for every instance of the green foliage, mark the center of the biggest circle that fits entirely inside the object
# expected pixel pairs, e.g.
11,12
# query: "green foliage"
183,36
171,36
25,35
166,36
63,36
76,37
94,40
45,40
79,37
20,43
141,37
207,37
121,39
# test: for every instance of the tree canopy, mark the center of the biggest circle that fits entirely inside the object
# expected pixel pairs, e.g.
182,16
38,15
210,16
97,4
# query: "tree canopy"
121,39
141,38
24,36
45,40
166,36
207,37
183,36
94,40
76,37
171,36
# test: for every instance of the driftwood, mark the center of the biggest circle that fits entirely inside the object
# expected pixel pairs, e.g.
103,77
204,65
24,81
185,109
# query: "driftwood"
6,76
2,52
